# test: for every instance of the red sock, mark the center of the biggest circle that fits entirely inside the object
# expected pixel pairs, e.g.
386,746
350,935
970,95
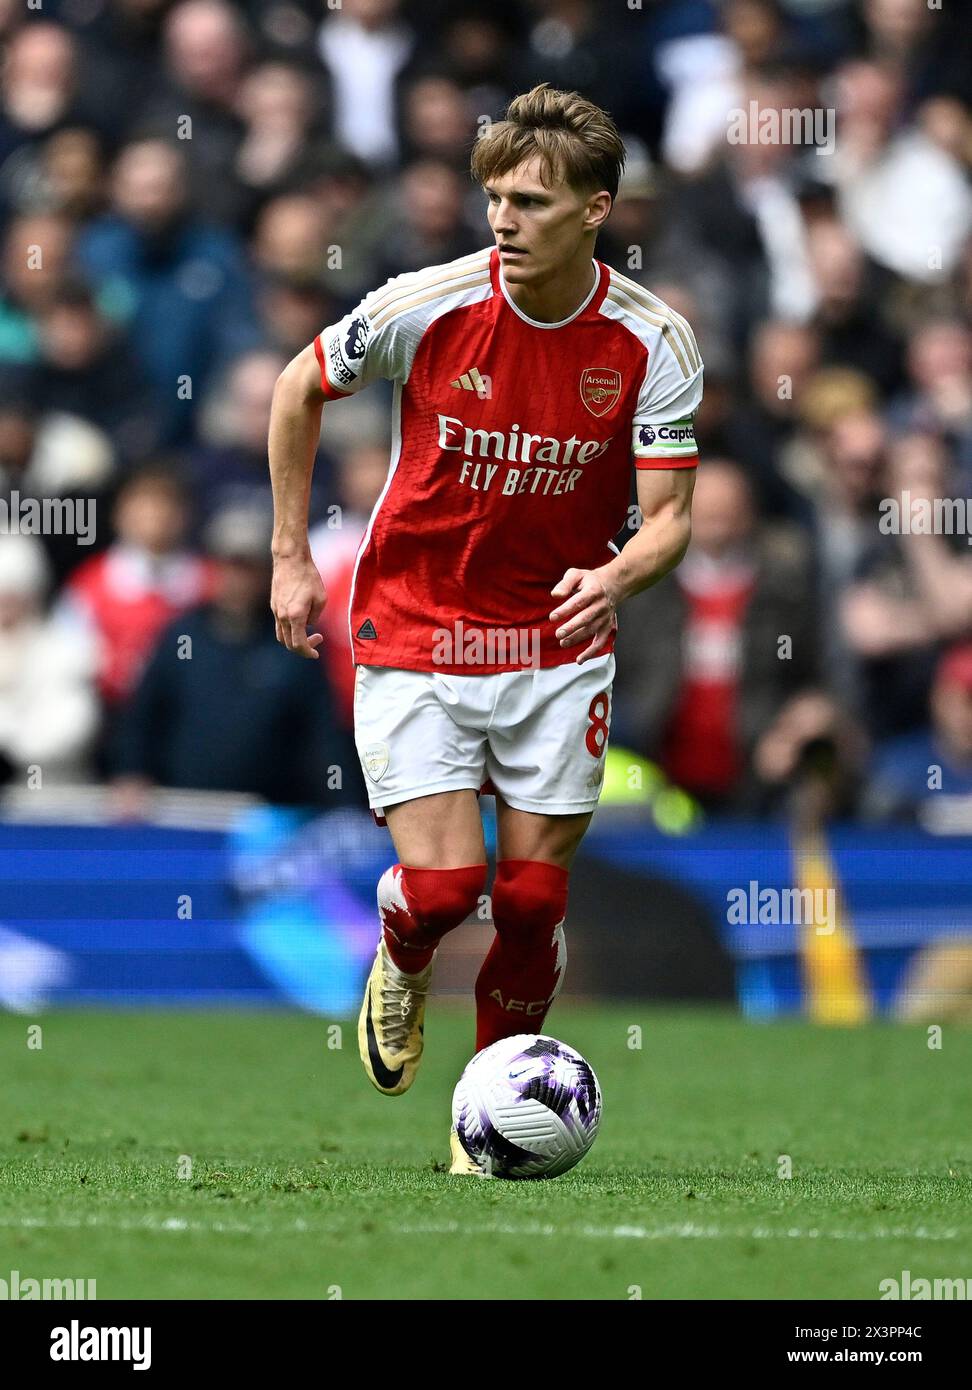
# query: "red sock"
418,906
524,968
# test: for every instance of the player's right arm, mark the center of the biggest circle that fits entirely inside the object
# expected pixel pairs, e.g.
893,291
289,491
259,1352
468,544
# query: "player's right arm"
297,593
376,341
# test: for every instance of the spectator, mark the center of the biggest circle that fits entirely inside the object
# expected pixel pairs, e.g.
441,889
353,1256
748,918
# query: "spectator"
577,43
73,173
901,195
229,469
277,103
59,458
705,72
924,49
292,310
38,87
762,425
437,121
126,595
917,775
938,398
933,559
88,369
205,49
646,239
810,761
948,125
745,212
35,257
431,227
180,285
478,47
48,706
221,705
365,48
742,639
851,333
122,48
291,238
890,613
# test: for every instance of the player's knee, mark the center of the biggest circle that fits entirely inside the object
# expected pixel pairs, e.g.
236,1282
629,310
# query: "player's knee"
529,898
441,899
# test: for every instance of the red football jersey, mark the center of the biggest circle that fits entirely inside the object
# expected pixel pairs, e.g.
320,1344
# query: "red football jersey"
511,458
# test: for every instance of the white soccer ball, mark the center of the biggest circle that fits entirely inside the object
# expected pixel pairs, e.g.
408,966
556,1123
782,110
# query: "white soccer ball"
527,1107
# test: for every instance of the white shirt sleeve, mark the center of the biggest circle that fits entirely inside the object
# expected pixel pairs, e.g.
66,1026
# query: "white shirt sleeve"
365,346
663,432
379,339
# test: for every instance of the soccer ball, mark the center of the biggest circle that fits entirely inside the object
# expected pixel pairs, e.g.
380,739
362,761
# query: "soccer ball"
527,1107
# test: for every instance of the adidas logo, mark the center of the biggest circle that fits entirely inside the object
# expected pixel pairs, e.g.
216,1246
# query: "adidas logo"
473,380
366,632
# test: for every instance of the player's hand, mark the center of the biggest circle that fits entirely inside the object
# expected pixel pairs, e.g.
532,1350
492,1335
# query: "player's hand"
589,613
296,599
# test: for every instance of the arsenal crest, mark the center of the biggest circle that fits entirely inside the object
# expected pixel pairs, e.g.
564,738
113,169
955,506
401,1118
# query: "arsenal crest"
600,388
375,760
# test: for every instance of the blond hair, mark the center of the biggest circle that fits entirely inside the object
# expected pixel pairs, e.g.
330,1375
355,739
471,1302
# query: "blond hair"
577,142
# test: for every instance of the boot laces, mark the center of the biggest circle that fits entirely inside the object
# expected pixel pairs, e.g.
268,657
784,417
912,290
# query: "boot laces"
399,1003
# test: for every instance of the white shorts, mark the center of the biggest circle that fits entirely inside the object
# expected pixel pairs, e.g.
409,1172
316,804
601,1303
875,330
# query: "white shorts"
538,735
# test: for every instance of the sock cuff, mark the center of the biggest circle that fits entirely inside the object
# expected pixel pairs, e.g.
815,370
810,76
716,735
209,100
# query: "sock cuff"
466,873
449,890
529,891
536,872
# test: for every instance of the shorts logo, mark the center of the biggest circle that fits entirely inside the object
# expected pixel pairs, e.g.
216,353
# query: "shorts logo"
375,760
600,388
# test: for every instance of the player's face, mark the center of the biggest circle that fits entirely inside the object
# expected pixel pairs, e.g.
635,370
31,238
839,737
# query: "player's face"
540,230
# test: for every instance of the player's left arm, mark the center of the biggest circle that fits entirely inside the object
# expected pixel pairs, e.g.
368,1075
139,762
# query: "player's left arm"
592,596
665,457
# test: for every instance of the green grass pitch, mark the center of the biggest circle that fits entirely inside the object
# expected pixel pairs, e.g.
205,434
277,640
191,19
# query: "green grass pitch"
306,1183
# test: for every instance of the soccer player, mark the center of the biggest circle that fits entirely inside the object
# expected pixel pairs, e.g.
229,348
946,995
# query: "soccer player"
527,377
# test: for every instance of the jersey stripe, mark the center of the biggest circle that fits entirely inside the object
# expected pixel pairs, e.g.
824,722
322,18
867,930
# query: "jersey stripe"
659,313
476,264
441,291
686,352
656,321
651,301
420,278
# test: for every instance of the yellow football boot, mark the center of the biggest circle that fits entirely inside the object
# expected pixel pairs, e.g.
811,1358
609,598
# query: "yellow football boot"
390,1024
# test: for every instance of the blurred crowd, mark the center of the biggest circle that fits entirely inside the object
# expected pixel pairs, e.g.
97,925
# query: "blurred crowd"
191,189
